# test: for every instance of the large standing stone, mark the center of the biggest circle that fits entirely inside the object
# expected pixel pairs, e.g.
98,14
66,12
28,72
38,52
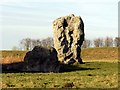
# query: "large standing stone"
68,38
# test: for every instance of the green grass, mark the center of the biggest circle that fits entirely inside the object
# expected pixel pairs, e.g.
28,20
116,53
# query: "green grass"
88,75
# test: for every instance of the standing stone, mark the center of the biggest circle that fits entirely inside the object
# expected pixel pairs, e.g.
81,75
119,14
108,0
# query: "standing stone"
68,38
42,59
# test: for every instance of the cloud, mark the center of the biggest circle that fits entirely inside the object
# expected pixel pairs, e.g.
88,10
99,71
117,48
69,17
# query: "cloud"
98,1
82,1
40,1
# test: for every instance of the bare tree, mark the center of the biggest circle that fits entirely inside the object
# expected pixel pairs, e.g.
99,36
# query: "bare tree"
48,42
26,43
86,43
35,42
108,42
117,42
29,44
98,42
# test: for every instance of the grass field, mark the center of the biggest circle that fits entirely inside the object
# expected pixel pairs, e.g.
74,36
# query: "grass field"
89,75
99,71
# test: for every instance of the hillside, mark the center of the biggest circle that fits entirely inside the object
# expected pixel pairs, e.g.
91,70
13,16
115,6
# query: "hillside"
106,53
110,53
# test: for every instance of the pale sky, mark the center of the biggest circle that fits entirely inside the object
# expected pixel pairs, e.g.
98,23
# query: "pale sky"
33,18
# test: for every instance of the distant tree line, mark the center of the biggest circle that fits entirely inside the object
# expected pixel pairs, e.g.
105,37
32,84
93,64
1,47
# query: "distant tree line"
102,42
29,44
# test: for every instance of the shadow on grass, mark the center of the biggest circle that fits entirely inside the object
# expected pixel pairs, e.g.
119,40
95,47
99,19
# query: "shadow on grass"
16,68
71,68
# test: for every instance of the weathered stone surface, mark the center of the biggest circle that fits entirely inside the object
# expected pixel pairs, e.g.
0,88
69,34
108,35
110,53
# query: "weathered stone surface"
68,38
42,59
